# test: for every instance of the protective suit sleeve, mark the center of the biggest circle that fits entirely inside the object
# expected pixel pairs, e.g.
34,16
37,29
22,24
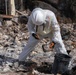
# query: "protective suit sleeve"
55,29
59,46
31,26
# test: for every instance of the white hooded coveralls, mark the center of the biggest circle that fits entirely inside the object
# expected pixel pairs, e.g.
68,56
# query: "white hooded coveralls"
51,30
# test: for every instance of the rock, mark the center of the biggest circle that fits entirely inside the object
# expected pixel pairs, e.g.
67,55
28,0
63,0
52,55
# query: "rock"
68,45
8,23
66,30
1,47
74,44
74,26
6,69
17,41
0,23
33,72
1,36
46,48
1,68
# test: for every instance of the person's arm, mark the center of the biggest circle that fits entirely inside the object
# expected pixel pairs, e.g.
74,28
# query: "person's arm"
31,29
59,45
31,26
55,29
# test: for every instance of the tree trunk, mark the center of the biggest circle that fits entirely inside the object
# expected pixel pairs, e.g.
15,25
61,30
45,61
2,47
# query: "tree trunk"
12,7
22,7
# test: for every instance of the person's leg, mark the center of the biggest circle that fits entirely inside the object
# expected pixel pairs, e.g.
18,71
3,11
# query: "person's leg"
61,61
62,58
59,45
28,48
60,48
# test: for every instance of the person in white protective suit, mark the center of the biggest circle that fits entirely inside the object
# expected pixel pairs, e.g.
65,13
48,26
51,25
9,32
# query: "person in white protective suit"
43,23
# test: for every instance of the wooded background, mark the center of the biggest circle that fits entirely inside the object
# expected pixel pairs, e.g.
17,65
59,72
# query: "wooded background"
62,8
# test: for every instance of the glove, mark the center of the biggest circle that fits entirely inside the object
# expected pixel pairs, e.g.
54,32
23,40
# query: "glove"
52,45
36,36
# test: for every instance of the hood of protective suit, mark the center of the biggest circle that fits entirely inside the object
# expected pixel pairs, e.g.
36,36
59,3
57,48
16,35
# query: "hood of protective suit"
38,17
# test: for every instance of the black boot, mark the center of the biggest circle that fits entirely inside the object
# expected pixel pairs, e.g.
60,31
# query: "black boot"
19,65
68,72
61,63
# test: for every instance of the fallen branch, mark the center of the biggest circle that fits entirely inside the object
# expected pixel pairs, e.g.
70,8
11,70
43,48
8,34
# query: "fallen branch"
26,15
6,16
15,22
